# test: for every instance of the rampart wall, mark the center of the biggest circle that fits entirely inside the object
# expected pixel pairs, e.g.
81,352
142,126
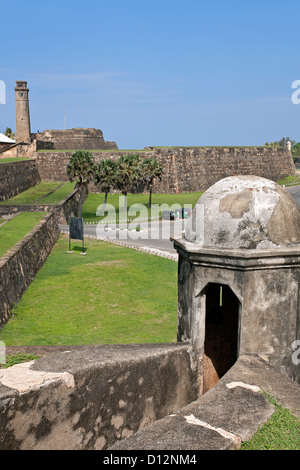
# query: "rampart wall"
189,169
16,177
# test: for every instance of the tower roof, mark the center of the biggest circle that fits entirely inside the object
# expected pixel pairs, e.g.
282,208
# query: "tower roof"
244,212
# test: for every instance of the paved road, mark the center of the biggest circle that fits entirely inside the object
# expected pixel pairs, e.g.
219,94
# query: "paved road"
295,193
153,234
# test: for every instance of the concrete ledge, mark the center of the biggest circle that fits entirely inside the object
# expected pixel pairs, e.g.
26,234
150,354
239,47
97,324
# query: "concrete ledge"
135,397
225,416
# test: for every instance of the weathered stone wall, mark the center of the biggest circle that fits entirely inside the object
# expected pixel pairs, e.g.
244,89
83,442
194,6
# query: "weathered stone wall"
20,265
134,397
190,169
52,165
90,397
69,207
3,146
198,168
44,145
16,177
74,139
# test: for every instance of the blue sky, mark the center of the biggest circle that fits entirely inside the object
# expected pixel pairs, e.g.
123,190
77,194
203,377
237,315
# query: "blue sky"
155,72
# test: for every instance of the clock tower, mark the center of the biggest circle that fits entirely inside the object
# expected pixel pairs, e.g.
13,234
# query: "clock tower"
22,113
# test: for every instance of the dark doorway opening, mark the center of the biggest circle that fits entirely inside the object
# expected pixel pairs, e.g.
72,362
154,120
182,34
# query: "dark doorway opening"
221,333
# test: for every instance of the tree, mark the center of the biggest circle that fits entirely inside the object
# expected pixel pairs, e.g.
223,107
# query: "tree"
105,178
81,169
9,133
296,152
127,174
150,171
281,143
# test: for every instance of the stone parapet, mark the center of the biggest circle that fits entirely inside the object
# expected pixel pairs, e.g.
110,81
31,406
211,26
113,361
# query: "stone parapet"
189,169
135,397
224,417
88,397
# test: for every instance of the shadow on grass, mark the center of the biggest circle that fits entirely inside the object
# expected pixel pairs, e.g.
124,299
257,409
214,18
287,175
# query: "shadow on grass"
80,248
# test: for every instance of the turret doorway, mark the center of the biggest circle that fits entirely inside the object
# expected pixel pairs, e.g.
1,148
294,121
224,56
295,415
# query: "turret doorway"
221,333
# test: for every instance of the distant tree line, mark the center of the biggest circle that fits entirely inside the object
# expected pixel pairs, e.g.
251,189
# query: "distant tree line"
283,143
296,152
130,173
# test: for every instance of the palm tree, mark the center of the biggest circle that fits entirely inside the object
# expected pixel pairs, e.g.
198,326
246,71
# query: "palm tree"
151,170
127,174
105,178
81,169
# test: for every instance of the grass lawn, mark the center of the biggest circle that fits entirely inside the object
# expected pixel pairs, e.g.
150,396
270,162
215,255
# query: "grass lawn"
31,195
95,200
16,229
110,295
12,159
59,194
280,432
289,181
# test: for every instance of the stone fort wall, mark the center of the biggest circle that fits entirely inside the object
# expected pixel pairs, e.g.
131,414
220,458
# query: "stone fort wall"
73,139
189,169
16,177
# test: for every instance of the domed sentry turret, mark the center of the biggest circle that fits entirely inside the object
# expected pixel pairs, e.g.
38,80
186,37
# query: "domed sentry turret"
245,212
238,277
